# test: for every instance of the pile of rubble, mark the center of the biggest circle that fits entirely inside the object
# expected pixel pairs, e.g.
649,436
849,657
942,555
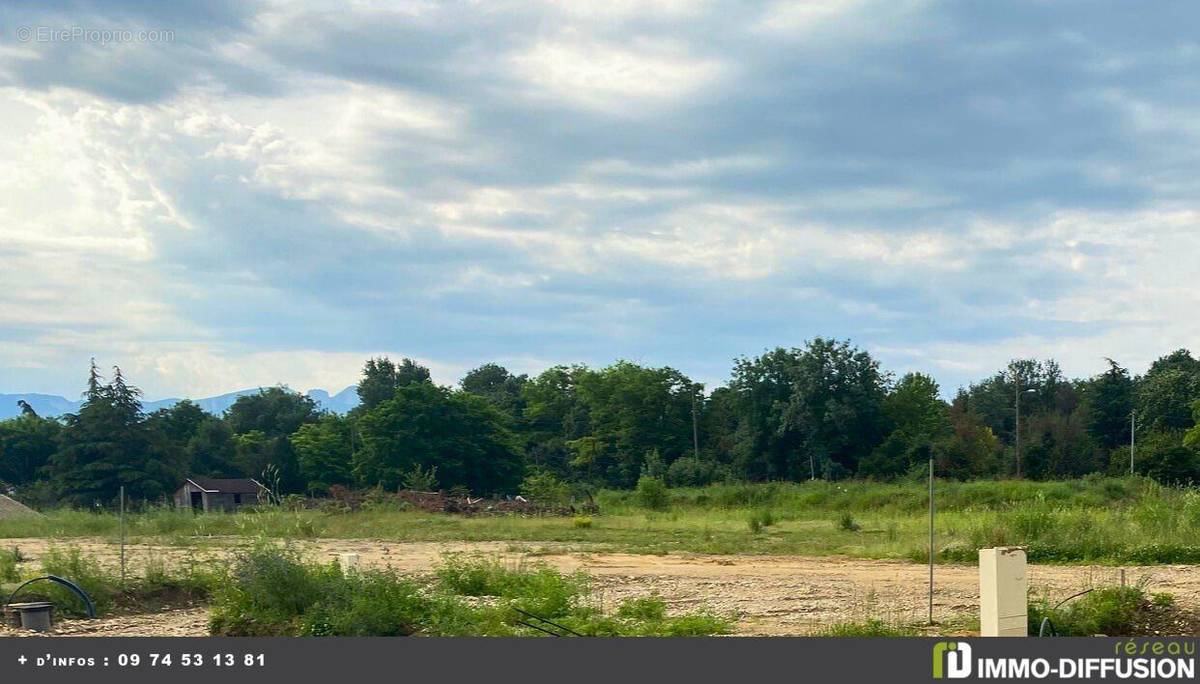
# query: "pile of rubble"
443,502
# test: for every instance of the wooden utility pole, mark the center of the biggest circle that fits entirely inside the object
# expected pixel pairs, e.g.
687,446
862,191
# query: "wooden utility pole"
1132,438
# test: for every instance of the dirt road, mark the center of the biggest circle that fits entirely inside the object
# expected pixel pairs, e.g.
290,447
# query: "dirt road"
777,595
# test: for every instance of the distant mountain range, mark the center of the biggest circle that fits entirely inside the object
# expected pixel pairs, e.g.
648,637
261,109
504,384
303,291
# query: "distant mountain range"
50,405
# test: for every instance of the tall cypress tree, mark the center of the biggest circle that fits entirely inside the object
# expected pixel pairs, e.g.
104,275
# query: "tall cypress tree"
107,445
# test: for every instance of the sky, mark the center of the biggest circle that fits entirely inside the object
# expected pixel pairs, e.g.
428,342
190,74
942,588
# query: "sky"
223,195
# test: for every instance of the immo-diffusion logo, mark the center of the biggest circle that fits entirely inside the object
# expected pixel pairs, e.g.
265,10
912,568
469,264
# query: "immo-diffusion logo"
951,660
1149,659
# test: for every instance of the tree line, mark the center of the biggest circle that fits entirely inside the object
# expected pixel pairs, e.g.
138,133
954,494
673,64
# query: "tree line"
824,410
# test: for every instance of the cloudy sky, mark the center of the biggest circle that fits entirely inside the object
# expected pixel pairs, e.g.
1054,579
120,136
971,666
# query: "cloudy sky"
224,195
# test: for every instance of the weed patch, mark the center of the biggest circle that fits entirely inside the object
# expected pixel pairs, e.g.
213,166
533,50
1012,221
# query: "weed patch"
273,591
867,628
1112,611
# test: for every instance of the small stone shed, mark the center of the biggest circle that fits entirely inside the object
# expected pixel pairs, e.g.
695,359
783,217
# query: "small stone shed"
212,495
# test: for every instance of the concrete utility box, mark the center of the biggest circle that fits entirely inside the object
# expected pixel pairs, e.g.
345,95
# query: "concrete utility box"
35,615
348,561
1003,591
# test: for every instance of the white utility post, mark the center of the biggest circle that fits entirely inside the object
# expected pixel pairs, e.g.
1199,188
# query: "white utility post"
348,562
1003,592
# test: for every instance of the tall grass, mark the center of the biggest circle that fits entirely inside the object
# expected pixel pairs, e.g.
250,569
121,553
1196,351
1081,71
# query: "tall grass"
1112,611
1124,520
154,584
273,591
9,560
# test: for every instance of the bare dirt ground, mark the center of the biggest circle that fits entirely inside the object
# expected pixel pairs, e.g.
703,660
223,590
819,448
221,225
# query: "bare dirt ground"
772,595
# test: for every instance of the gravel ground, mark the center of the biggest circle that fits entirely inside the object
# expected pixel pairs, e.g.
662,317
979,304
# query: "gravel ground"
776,595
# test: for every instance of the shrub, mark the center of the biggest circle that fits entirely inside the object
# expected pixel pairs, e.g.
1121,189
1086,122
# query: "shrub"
315,600
689,471
846,522
194,579
268,591
1162,600
650,608
71,564
652,493
421,479
759,520
541,486
582,522
466,576
372,603
867,628
1112,611
8,565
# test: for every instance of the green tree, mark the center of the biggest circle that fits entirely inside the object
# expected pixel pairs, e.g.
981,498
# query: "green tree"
500,387
275,413
1042,387
255,454
1161,455
382,377
212,450
172,429
324,451
1109,400
1058,446
972,449
918,418
554,416
107,445
1192,437
633,411
1166,393
460,434
179,423
915,410
764,444
835,407
26,444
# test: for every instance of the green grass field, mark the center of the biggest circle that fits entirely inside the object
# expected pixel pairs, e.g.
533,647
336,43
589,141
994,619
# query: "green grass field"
1094,520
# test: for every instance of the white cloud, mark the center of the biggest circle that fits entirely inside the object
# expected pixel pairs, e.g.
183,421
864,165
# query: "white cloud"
206,371
613,77
258,213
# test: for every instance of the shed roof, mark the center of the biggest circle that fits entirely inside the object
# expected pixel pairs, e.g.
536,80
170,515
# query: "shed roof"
213,485
10,508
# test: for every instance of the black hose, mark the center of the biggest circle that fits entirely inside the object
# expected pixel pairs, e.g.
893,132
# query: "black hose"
87,600
543,620
1073,596
1047,623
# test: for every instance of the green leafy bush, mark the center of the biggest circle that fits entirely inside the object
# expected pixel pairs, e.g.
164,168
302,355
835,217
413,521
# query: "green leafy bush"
652,493
268,591
9,558
70,563
760,520
542,487
846,522
689,471
421,479
867,628
1111,611
372,603
272,591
